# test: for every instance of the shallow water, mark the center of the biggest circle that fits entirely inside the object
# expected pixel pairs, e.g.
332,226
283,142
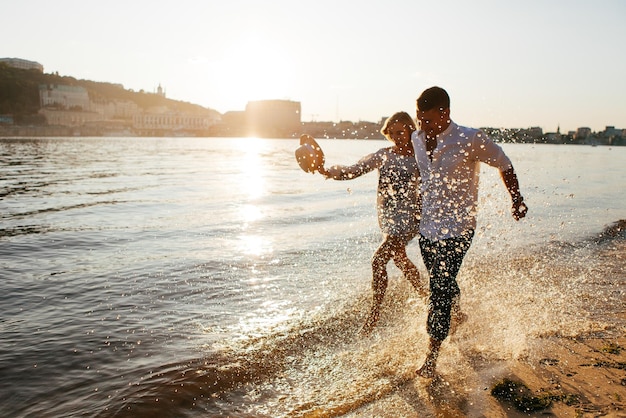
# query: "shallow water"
206,277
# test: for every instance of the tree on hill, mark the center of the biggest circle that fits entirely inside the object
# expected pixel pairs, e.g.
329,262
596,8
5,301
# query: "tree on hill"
19,91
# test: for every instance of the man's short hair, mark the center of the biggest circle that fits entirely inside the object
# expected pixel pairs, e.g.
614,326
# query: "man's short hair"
433,98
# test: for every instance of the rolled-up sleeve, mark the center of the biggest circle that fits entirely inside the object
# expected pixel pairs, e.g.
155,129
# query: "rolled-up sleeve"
490,153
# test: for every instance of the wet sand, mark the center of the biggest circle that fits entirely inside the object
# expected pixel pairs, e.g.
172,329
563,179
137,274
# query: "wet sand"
582,376
589,372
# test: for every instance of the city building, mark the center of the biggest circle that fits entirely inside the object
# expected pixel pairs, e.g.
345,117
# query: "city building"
22,64
162,121
71,118
582,133
63,97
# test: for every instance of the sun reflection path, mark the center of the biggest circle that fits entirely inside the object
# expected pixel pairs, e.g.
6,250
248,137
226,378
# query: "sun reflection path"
252,170
251,181
254,245
250,213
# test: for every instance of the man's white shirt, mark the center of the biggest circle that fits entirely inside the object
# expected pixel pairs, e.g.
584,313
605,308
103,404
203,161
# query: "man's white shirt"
449,183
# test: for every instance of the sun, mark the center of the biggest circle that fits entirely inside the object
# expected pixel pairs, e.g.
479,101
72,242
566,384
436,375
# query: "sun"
254,69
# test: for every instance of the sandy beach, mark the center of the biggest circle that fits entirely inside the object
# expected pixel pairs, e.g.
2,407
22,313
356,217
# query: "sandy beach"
586,375
582,376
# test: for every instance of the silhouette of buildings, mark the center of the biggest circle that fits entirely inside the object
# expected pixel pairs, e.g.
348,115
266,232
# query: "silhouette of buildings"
71,110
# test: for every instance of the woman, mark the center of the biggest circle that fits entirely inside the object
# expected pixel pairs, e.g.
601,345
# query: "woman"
398,205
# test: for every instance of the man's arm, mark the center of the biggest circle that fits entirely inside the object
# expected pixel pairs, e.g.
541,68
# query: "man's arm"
519,208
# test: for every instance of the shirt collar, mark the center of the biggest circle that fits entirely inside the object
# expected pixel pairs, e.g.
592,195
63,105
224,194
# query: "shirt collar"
447,131
422,134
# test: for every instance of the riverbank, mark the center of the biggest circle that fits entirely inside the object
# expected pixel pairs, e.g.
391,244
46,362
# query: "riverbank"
585,375
582,376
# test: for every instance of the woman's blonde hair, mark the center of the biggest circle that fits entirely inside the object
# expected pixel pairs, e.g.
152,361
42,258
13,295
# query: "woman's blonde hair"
402,117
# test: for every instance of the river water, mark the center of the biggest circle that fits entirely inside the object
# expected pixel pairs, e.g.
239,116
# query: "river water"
195,277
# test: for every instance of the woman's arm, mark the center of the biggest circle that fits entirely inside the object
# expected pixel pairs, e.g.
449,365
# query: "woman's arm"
348,172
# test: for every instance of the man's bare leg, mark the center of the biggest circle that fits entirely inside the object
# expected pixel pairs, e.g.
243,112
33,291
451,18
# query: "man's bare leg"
430,363
371,321
458,317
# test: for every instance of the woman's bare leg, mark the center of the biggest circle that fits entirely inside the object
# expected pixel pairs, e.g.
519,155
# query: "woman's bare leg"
380,279
404,263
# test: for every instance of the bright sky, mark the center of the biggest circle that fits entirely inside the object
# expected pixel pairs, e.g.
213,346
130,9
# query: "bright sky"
507,64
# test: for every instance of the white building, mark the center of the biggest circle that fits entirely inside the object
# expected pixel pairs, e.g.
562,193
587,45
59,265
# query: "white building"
115,109
165,120
63,97
69,117
22,64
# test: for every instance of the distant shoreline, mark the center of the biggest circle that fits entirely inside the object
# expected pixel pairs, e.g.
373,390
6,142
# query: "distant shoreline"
369,131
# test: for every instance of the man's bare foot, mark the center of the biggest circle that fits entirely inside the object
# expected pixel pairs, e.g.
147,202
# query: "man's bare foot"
428,368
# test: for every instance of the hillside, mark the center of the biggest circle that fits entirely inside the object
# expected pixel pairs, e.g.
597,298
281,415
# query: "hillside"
19,94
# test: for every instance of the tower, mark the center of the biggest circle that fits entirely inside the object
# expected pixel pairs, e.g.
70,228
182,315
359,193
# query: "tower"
160,91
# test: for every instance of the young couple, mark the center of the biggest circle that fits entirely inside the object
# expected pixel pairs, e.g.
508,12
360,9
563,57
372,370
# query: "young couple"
428,186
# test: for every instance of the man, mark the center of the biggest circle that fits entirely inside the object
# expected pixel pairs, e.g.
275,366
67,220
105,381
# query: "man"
448,158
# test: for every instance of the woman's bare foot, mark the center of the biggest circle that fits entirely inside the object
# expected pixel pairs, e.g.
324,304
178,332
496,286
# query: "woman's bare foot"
370,323
415,279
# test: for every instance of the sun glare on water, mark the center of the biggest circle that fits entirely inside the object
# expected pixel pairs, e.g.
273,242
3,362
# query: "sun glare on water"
251,182
252,172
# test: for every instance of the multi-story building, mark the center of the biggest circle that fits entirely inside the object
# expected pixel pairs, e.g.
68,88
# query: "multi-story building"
71,118
64,97
161,121
115,109
22,64
582,133
65,105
